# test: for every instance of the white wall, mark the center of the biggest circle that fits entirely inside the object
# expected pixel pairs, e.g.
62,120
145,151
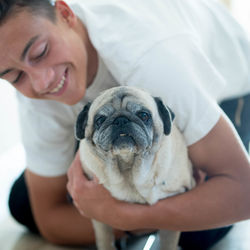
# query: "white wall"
241,10
9,127
12,159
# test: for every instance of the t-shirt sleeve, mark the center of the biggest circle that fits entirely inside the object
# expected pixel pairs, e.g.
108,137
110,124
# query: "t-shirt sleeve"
179,72
48,137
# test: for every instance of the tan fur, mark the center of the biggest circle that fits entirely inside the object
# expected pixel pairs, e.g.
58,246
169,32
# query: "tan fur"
165,171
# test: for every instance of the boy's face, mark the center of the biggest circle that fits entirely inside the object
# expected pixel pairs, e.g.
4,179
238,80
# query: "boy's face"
45,60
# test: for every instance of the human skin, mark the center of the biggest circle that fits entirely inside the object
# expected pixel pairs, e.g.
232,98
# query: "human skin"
55,50
53,56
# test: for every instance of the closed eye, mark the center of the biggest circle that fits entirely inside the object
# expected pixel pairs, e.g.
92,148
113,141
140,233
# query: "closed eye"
42,54
18,77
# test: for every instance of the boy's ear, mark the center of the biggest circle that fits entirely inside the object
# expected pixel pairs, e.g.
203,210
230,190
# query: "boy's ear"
65,12
81,122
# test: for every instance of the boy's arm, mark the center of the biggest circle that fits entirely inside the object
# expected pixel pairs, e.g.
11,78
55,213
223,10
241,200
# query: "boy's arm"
220,201
58,221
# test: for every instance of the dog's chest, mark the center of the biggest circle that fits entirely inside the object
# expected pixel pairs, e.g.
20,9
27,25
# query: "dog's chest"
126,189
138,184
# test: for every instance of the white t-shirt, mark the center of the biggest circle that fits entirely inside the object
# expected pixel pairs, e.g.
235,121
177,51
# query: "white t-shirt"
191,53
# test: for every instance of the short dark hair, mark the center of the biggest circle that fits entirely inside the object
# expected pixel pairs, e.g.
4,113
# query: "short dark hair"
37,7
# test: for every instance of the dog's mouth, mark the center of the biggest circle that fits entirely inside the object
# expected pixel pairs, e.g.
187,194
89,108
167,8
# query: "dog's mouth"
129,138
124,147
123,138
124,141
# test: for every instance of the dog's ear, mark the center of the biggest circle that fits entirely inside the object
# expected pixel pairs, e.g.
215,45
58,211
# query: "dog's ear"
81,122
166,115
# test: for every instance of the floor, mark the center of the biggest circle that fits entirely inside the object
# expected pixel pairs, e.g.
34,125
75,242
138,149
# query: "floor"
12,162
15,237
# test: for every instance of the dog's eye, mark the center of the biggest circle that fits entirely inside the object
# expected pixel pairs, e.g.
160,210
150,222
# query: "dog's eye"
99,121
144,116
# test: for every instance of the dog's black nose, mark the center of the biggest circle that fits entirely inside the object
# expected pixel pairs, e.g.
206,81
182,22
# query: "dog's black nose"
120,120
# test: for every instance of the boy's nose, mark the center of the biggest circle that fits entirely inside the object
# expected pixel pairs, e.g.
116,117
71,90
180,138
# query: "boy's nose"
41,79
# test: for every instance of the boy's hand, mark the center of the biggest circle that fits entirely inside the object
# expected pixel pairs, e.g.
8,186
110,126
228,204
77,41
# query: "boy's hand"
89,197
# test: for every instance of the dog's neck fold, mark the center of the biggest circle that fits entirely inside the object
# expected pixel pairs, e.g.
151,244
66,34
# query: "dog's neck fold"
124,158
125,161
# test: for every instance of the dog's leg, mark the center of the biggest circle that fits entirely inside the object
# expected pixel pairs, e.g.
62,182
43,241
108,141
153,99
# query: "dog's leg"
169,239
104,236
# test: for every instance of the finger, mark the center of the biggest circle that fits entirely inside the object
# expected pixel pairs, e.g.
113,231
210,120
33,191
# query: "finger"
70,175
77,161
75,164
95,179
78,171
77,157
70,169
78,208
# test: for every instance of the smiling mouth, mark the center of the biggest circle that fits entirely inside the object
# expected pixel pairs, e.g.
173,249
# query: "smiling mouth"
59,86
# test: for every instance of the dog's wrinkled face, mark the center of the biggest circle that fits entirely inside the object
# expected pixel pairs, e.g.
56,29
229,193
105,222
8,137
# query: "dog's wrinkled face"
123,124
123,119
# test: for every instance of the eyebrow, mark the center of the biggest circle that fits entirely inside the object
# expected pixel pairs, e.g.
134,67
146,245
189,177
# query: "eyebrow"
24,53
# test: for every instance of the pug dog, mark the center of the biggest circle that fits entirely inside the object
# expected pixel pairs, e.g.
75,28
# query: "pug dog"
129,141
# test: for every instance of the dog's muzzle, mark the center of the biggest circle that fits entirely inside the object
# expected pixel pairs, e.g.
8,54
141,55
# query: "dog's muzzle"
122,133
128,134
